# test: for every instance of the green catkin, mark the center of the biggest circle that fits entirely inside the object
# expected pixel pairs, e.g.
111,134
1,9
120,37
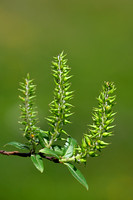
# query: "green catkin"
28,112
60,108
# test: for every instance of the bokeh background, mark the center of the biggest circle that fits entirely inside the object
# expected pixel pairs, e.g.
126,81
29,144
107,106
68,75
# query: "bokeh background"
98,39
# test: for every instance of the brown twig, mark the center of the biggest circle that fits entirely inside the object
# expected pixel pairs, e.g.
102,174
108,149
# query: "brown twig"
17,153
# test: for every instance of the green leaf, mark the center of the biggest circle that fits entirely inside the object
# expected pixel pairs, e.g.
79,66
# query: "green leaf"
43,133
37,161
58,150
69,149
77,174
49,152
41,140
18,145
42,137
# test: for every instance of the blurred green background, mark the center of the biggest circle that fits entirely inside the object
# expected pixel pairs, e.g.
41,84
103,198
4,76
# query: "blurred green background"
98,39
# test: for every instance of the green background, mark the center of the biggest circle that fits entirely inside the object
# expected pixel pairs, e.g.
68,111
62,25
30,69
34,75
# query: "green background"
97,36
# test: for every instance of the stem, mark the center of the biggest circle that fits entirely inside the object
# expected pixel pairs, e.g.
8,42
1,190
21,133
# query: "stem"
17,153
53,159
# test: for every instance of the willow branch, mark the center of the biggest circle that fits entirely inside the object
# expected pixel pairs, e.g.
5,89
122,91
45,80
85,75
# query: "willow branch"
17,153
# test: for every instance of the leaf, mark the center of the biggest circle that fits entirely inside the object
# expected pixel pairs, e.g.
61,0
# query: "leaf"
77,174
41,140
70,145
49,152
42,136
18,145
37,161
58,150
43,133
